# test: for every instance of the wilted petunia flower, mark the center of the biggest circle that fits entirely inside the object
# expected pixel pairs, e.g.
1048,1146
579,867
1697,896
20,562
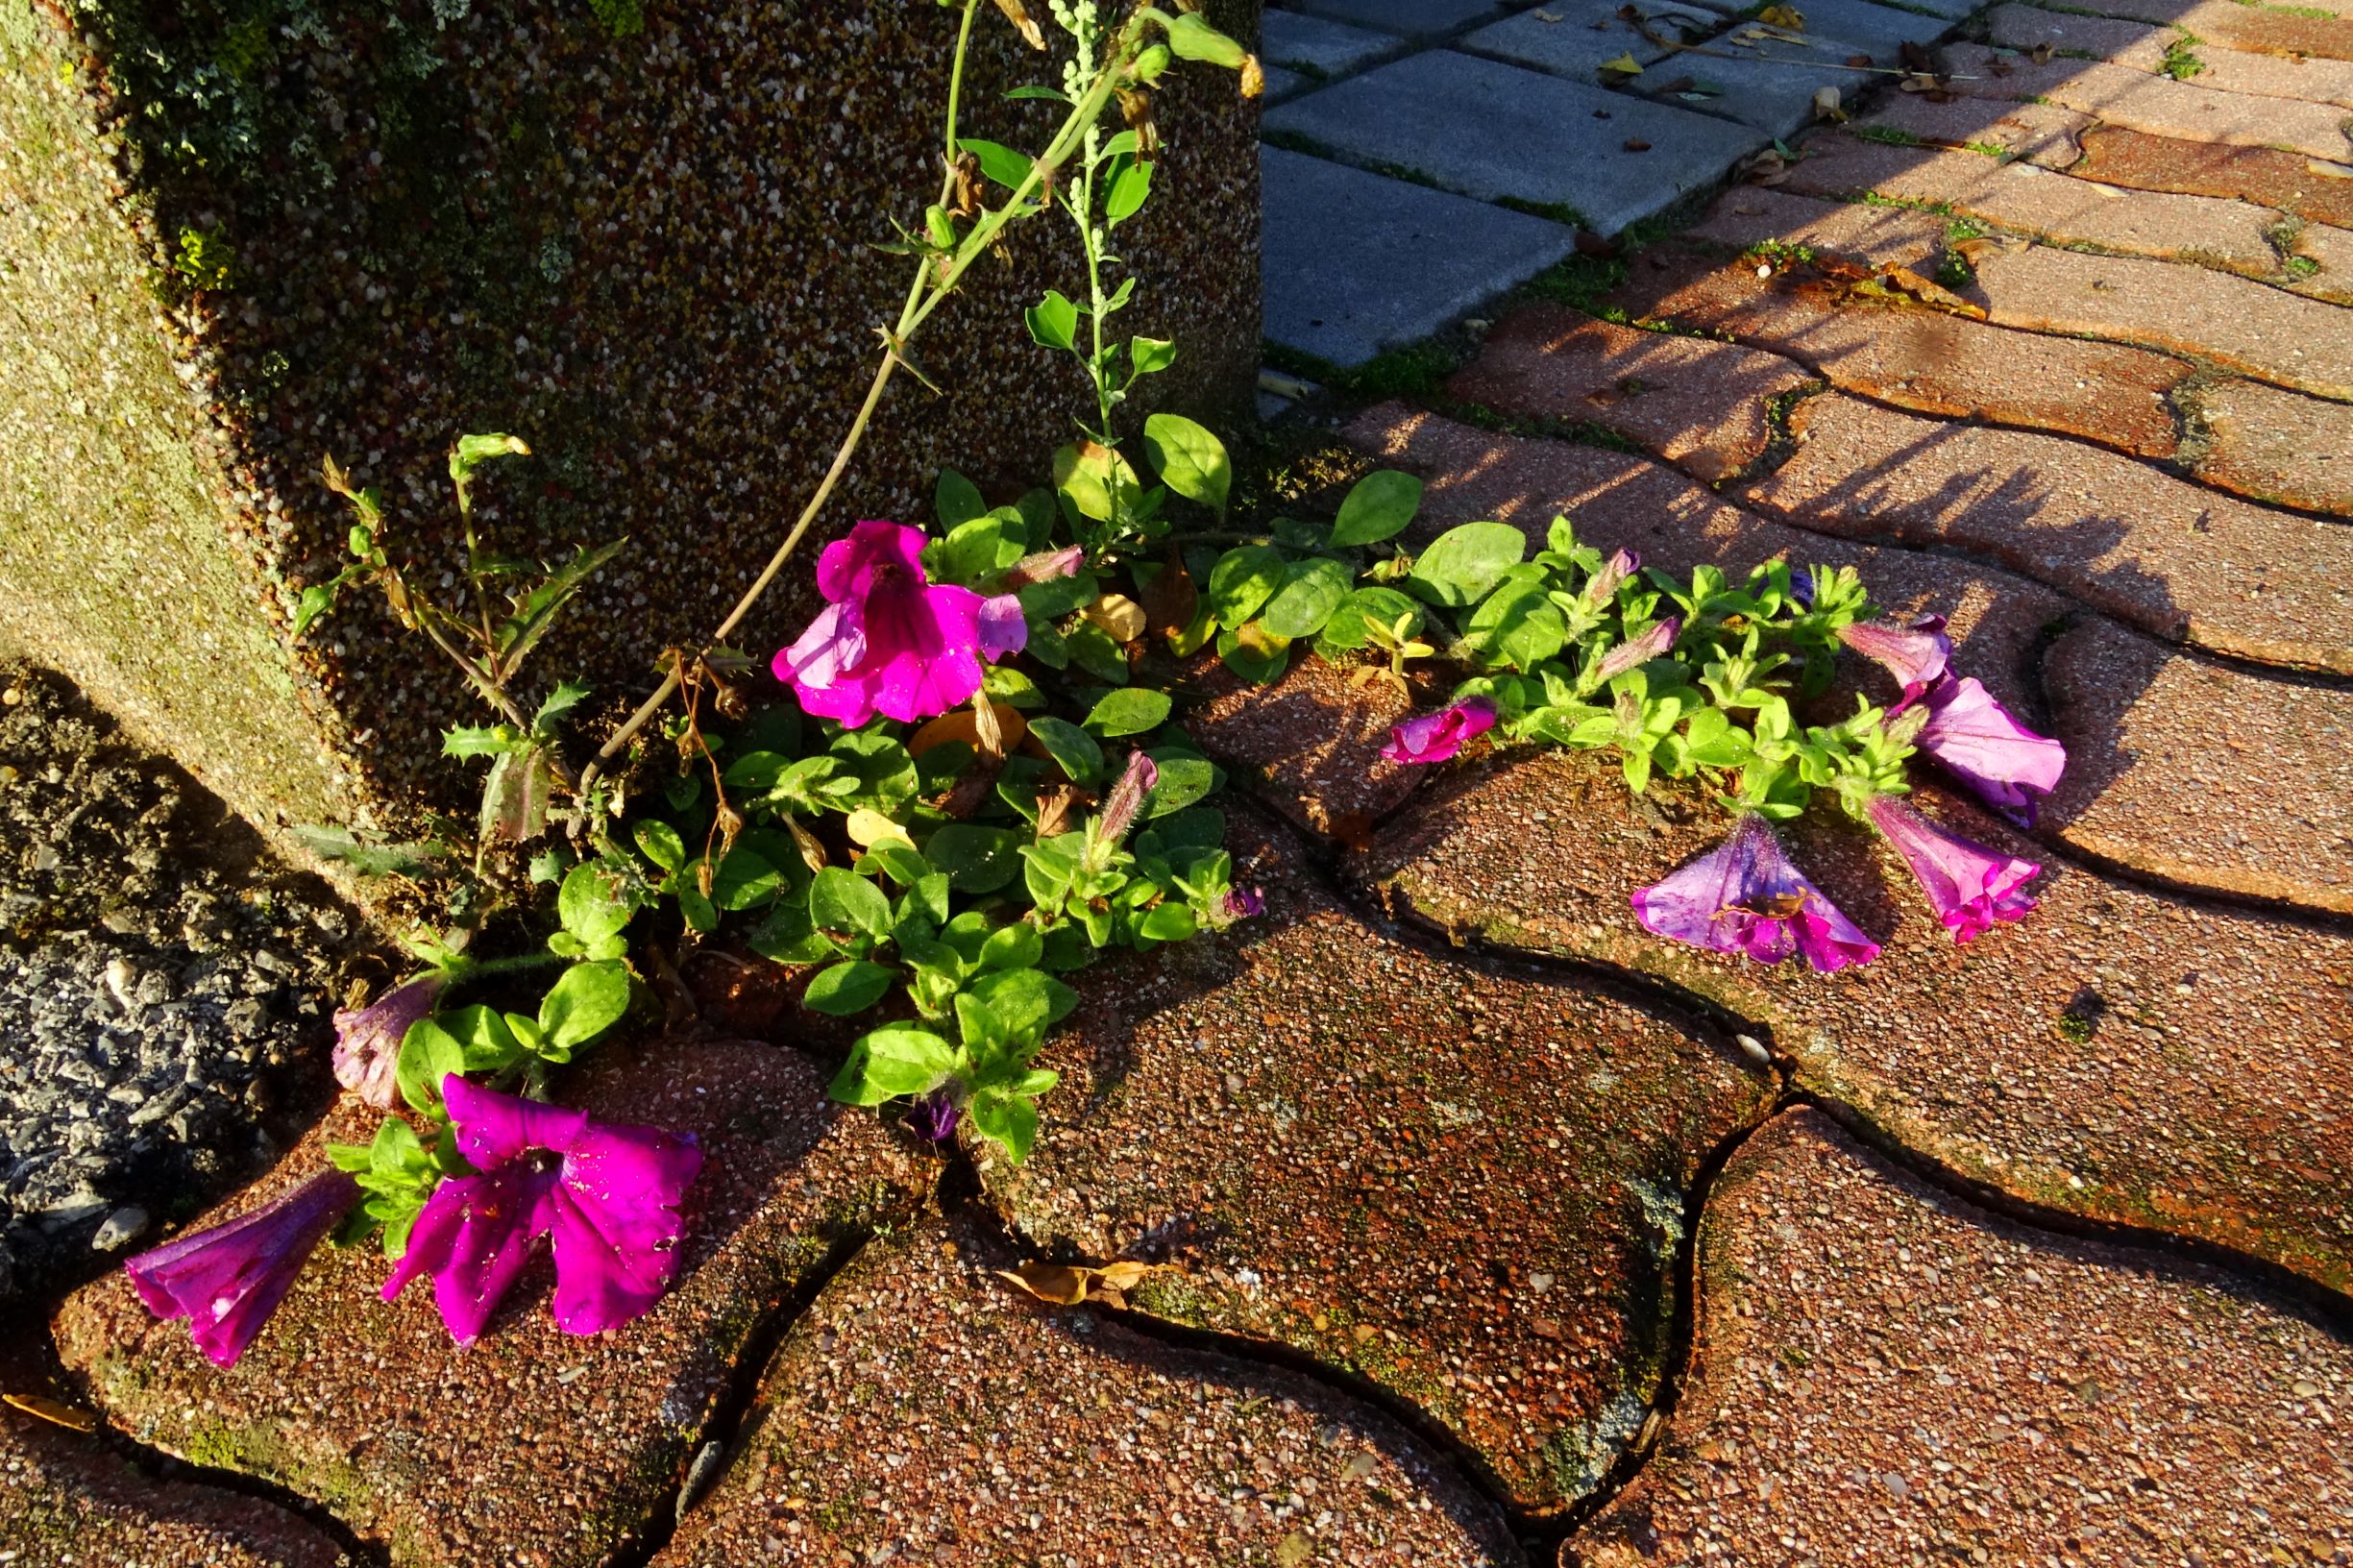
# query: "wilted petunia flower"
1436,737
1968,885
934,1118
1802,587
1745,896
1044,566
609,1196
227,1281
1246,903
1637,652
1604,584
368,1042
2009,766
889,641
1914,652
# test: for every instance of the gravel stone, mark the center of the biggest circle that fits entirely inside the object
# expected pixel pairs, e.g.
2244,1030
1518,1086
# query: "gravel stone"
132,1063
564,1444
1888,1374
924,1411
1400,1141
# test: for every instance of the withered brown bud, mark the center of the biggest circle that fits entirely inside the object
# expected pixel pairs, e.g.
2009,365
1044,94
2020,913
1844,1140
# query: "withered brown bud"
1018,15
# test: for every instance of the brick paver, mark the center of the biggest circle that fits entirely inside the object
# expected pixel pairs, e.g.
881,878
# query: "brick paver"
2041,134
2160,105
1874,236
2144,47
2314,190
1928,361
1886,1373
2259,29
2277,446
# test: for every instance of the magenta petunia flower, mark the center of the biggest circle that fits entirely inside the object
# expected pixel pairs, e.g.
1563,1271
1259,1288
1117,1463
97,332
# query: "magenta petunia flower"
1745,896
888,640
1914,653
2009,766
227,1281
933,1119
1637,652
368,1042
1246,903
1436,737
1968,885
609,1196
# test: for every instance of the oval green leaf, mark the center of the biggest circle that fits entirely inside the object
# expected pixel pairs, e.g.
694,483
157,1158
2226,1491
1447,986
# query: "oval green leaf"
1462,563
1129,712
1380,506
1312,590
1189,460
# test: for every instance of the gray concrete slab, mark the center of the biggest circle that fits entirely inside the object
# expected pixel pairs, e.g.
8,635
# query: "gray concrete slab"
1877,30
1573,39
1356,262
1408,19
1952,10
1318,47
1495,132
1769,80
1282,83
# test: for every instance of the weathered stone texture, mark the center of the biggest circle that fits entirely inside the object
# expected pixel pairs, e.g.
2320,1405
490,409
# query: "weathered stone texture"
647,253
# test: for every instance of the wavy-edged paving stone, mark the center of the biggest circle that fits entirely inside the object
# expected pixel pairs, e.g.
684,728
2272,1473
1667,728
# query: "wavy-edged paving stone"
2255,28
2163,554
2126,1055
1310,743
2157,105
533,1446
2043,134
2143,46
1749,216
2202,773
1412,18
1497,132
2323,264
1886,1373
2277,446
2241,324
923,1412
1461,1184
2314,190
2029,199
1928,361
1619,501
1699,404
64,1499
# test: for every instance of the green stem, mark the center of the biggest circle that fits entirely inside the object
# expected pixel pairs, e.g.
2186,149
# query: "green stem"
476,969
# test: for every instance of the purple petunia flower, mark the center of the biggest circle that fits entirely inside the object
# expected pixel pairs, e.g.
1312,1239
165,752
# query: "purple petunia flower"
934,1116
1802,588
1436,737
1246,903
888,640
1969,886
2009,766
1745,896
1603,586
227,1281
368,1042
609,1196
1915,655
1637,652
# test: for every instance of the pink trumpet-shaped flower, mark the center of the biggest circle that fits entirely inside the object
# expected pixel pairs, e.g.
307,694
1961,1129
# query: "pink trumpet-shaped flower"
888,640
609,1195
227,1281
1914,654
1745,896
1637,652
1602,586
2009,766
368,1042
1436,737
1968,885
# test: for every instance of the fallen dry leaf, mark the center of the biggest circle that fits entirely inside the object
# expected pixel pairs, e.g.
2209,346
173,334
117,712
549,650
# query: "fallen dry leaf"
1682,83
1783,15
2327,170
1859,61
1635,144
1068,1284
1118,615
50,1411
1589,243
1999,66
1915,57
2040,54
1623,66
1826,106
1927,291
1765,167
963,725
869,827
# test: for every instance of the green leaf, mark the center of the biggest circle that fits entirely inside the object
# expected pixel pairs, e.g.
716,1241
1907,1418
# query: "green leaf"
1098,653
567,696
1184,780
956,500
428,1055
1380,506
1201,829
1130,182
594,903
313,603
885,773
1014,946
1069,746
745,879
515,797
787,937
371,859
1462,563
485,741
1243,581
1088,481
1189,460
486,1042
474,450
1053,321
1190,36
1150,355
1348,630
976,551
841,900
1518,625
1052,95
1128,712
1167,923
997,161
1008,1120
849,988
1312,590
585,1002
895,1060
1028,1001
1253,654
976,859
520,633
658,842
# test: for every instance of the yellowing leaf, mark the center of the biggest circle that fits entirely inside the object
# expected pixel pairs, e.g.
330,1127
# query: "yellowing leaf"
963,725
1117,614
869,827
50,1411
1623,66
1788,16
1826,106
1057,1282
